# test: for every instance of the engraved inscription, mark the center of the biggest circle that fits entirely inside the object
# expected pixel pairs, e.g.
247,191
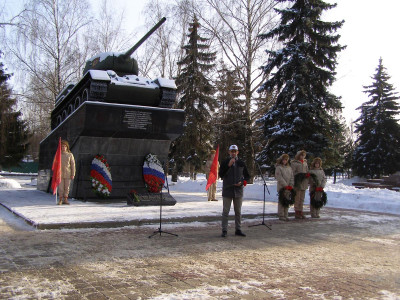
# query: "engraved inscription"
137,119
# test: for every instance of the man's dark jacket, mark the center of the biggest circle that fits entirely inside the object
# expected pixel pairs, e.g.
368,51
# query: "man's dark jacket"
232,175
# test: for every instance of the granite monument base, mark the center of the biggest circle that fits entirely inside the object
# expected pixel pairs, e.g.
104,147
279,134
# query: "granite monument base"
125,157
123,134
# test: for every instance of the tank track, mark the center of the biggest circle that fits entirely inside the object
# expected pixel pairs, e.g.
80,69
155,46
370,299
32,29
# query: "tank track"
168,97
92,90
98,90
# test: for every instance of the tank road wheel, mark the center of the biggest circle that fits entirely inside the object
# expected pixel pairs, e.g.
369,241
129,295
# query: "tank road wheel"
168,97
85,95
70,109
77,102
64,115
58,121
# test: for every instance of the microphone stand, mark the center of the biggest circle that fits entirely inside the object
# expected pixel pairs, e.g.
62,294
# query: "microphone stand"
161,197
265,188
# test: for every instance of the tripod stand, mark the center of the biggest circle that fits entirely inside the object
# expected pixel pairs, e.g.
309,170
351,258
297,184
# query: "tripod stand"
161,199
265,188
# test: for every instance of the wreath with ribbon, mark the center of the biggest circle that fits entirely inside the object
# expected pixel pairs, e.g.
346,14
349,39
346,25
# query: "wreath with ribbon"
100,176
318,203
299,177
153,174
283,199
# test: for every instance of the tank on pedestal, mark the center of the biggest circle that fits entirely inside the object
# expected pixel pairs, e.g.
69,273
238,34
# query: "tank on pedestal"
114,112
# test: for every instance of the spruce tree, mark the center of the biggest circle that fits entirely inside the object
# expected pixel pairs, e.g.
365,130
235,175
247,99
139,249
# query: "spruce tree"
335,154
301,74
364,143
13,132
231,114
196,98
378,145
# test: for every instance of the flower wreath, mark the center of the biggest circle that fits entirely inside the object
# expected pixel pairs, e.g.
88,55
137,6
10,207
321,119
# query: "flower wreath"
283,200
153,174
299,177
318,203
100,176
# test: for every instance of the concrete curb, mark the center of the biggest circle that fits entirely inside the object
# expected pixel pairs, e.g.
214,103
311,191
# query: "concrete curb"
116,224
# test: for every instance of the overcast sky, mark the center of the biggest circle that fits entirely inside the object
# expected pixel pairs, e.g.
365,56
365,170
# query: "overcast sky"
370,32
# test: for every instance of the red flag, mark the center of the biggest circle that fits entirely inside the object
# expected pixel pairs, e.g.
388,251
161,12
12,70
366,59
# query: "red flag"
212,177
56,169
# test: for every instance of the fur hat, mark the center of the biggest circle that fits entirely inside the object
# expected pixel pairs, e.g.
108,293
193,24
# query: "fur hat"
64,142
315,161
282,157
299,153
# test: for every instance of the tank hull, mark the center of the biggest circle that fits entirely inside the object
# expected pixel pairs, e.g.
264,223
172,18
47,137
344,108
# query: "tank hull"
108,87
123,133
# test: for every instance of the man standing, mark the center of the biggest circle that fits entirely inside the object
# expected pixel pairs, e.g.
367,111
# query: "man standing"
234,173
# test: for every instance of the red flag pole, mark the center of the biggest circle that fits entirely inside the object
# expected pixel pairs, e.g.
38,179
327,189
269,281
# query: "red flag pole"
213,175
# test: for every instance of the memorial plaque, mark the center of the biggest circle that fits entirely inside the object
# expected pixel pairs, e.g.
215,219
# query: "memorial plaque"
137,119
147,199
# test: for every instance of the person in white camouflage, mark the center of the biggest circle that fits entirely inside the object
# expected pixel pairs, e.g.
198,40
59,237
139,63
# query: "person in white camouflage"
299,166
284,180
316,168
67,172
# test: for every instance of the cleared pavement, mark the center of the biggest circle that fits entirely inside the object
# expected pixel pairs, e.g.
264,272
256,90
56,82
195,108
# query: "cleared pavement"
343,255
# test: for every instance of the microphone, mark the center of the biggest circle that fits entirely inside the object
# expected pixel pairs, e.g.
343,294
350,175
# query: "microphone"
236,158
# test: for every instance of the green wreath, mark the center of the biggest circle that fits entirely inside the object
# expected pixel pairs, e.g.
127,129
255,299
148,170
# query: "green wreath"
285,202
318,203
299,177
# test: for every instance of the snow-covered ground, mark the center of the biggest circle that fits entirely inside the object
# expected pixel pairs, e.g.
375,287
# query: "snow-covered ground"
340,195
19,194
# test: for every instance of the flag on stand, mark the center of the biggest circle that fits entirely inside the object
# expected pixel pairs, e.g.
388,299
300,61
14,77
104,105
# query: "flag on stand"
56,169
212,177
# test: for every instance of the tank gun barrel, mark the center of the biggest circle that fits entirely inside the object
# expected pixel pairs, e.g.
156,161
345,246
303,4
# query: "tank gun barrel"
145,37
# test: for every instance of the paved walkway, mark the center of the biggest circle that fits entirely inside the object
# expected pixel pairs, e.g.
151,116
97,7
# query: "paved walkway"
344,255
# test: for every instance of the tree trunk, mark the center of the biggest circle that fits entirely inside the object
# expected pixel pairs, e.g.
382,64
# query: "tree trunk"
334,176
174,177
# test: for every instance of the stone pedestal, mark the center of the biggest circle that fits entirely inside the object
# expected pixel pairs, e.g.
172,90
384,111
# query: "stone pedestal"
123,134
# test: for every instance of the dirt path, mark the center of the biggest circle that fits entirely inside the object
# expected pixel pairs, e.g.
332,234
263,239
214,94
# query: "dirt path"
341,256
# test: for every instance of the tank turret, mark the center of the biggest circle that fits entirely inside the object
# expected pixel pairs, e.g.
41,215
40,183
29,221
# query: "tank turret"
120,63
113,78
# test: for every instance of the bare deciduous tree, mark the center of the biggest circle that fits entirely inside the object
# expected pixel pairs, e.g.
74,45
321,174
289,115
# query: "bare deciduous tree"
12,21
47,51
107,31
164,49
236,26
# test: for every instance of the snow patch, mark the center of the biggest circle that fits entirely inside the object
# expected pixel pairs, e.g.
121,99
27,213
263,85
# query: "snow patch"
6,183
